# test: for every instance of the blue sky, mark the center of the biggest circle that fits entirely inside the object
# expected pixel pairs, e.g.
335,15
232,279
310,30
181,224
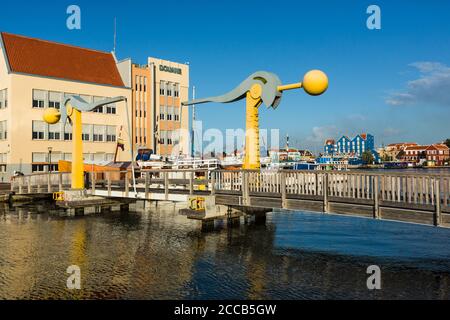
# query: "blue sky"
393,82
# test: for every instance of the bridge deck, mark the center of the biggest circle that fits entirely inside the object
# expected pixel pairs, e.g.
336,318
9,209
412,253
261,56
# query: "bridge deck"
418,198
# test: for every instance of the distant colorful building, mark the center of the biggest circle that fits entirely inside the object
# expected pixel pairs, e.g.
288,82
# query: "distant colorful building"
437,154
351,147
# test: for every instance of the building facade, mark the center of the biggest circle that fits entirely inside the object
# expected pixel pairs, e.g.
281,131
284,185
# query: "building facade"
160,122
354,147
37,74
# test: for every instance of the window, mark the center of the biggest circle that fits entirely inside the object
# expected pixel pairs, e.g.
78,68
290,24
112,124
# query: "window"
3,98
162,112
111,109
99,157
169,113
176,114
169,137
162,88
176,137
110,133
3,158
39,130
54,100
99,133
87,132
3,130
39,97
145,84
67,133
54,132
176,90
40,161
38,167
169,89
98,109
163,137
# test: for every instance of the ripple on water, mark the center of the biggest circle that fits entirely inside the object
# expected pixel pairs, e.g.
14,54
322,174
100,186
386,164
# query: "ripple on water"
161,255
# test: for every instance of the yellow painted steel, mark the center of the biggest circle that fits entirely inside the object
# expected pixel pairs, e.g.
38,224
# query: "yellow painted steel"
253,102
197,203
52,116
77,148
290,87
58,196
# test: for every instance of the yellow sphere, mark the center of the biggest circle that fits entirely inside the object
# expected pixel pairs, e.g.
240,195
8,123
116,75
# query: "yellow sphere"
315,82
52,115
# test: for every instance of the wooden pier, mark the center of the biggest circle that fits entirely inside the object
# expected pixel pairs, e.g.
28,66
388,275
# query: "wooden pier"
410,197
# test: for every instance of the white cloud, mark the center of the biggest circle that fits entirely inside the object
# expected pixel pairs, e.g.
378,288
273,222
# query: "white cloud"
320,134
431,88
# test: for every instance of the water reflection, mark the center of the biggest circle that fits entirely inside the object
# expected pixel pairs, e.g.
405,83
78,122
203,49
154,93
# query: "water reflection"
161,255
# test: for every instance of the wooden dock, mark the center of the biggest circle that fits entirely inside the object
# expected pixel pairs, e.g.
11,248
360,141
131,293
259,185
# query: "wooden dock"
410,197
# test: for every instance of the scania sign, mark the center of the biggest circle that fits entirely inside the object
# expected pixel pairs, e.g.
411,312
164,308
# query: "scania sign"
169,69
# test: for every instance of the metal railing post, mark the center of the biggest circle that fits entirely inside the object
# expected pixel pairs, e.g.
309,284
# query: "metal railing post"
325,193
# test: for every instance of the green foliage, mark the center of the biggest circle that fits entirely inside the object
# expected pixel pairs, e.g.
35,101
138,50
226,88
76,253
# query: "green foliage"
447,142
367,157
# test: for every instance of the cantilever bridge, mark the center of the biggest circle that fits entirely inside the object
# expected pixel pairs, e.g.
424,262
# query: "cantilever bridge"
418,198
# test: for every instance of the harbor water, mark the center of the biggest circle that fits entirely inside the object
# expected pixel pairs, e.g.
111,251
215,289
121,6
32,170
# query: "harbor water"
158,254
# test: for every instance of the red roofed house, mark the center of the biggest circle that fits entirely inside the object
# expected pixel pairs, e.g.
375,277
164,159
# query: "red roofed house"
438,153
37,74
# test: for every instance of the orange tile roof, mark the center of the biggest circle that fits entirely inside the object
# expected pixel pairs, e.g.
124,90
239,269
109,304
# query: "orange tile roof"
416,148
50,59
439,146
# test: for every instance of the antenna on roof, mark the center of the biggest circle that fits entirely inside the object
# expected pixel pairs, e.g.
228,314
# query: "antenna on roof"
115,35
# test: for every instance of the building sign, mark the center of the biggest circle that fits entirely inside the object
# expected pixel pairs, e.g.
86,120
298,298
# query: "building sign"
170,69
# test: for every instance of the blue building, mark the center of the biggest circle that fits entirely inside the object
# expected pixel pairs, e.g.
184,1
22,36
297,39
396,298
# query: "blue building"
351,147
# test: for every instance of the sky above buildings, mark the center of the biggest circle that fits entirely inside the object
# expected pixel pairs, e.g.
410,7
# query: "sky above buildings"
393,82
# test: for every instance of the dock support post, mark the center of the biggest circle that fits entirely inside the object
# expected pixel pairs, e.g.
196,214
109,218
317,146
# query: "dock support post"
29,184
191,183
245,189
60,182
325,193
93,182
127,184
437,194
283,190
376,204
147,183
108,177
166,185
213,183
49,183
20,185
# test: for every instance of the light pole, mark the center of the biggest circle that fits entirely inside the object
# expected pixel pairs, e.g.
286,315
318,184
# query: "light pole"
50,159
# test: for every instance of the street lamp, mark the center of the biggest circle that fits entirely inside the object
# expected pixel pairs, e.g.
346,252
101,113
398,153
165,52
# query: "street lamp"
50,159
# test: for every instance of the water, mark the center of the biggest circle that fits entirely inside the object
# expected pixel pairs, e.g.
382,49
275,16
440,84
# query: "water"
161,255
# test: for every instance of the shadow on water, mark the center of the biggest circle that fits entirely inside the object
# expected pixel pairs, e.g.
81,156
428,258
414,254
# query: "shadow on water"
158,254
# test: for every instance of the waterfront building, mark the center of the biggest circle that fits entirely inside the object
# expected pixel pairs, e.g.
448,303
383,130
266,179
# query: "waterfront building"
159,122
351,147
37,74
290,155
438,154
414,154
393,150
330,146
343,145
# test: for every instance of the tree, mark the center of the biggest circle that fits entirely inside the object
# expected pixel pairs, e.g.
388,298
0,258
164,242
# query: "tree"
447,142
367,157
